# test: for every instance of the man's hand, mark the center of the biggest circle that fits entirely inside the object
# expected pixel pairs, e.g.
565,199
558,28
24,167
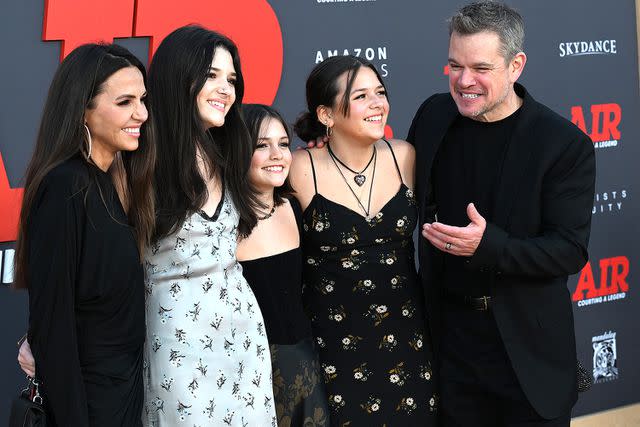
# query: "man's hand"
460,241
318,142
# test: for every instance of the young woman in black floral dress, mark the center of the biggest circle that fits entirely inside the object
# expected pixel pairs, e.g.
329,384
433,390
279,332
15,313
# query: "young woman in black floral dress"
271,260
360,282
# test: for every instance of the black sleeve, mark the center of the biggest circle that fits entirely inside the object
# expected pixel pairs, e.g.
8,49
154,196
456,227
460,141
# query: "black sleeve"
411,136
54,228
561,247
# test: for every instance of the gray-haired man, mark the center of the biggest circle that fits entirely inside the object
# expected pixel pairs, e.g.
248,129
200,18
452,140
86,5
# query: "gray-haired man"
505,188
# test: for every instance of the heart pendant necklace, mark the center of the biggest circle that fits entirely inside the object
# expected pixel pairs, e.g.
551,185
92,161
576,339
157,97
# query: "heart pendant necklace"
358,178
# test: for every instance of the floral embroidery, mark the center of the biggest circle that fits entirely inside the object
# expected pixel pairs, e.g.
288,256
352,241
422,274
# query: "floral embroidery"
350,237
325,286
372,405
377,313
407,404
330,372
377,219
350,342
336,401
337,314
388,258
388,342
402,226
319,222
397,281
433,403
408,309
398,375
416,341
425,372
409,194
361,373
353,260
365,286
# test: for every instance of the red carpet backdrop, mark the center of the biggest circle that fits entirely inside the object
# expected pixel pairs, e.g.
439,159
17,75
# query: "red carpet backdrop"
582,62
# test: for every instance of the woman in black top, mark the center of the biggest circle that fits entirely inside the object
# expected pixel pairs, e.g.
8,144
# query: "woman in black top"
271,259
78,251
360,283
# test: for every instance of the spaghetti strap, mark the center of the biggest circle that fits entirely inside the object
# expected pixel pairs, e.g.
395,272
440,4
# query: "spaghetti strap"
313,170
394,159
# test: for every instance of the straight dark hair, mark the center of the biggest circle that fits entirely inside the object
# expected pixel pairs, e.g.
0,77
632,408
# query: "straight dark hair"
322,88
178,72
255,115
78,80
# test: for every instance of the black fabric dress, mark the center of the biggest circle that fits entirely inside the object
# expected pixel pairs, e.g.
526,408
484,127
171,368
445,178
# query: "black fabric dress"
86,300
361,289
298,386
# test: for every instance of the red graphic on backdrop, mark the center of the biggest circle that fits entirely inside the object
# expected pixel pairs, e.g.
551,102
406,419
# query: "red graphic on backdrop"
11,201
605,121
77,22
252,24
612,285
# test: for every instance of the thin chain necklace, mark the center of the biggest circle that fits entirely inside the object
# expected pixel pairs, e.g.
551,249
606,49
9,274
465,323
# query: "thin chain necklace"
359,178
374,158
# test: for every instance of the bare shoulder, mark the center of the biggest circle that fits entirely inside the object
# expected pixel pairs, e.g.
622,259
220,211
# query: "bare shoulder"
406,156
300,163
301,176
402,148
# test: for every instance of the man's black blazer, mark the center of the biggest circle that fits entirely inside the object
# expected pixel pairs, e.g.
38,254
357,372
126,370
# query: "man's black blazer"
538,236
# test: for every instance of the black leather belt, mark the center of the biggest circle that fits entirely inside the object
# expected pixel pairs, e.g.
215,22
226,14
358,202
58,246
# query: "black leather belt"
482,303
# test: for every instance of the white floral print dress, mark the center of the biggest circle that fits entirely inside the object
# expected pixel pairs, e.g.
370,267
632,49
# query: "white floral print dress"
207,357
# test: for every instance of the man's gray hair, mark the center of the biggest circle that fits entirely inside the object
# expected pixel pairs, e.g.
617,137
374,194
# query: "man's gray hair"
495,17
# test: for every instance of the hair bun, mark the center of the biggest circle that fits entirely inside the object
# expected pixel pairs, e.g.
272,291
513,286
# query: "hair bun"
307,127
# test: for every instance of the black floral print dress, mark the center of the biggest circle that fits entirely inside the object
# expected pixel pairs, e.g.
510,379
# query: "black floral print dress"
367,314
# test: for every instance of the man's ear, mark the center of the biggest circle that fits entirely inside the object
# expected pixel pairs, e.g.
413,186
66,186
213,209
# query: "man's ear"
516,66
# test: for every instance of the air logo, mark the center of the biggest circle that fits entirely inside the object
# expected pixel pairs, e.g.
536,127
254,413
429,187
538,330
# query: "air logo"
604,123
613,283
251,24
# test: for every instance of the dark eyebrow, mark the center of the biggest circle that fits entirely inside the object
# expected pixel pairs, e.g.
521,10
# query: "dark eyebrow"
364,89
264,138
233,74
130,96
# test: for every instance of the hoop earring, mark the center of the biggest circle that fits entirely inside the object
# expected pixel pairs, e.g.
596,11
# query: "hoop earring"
329,131
87,155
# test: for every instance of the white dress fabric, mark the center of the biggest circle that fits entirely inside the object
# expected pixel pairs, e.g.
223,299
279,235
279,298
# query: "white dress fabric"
207,357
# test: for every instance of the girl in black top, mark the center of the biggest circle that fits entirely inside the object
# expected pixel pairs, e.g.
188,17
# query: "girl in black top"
271,259
78,252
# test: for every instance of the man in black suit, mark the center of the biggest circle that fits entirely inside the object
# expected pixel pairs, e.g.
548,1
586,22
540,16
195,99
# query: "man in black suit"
505,188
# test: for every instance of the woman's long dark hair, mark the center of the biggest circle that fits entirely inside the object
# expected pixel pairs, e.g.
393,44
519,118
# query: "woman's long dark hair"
177,74
76,83
322,88
255,115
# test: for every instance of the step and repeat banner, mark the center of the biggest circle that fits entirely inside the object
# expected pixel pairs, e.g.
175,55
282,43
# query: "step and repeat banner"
582,62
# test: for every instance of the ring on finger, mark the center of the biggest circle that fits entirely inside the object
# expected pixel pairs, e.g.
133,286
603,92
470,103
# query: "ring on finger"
447,246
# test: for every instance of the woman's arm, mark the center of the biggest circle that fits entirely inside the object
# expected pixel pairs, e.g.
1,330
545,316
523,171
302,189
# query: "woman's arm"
53,248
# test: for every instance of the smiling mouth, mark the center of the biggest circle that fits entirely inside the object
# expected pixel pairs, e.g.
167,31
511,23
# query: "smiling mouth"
217,105
132,131
278,168
470,95
374,119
